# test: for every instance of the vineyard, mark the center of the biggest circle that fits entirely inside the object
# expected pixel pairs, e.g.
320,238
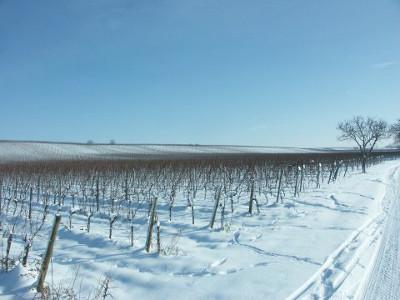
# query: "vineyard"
153,210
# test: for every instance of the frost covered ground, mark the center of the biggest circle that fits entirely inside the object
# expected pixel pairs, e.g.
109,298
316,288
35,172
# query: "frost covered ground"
315,246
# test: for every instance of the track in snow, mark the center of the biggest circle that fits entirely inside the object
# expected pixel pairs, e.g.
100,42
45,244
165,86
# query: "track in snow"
383,281
346,274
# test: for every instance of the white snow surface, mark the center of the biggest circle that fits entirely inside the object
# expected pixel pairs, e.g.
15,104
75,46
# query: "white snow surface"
383,279
316,246
28,151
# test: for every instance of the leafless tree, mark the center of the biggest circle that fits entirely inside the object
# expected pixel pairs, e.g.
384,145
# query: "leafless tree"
365,132
395,132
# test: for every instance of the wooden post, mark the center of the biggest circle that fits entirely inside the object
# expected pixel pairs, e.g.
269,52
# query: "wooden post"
48,255
27,247
131,235
59,192
251,197
319,175
192,207
222,214
97,195
88,221
278,194
9,242
217,197
158,237
30,203
151,223
302,168
296,192
112,221
38,191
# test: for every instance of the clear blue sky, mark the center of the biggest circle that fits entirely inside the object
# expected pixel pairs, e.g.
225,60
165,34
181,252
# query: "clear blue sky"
267,72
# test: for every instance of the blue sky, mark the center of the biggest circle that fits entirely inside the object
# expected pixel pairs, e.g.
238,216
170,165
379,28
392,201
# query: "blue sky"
270,72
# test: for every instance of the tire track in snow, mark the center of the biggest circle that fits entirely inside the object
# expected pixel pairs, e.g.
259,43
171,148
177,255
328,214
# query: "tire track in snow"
328,279
383,280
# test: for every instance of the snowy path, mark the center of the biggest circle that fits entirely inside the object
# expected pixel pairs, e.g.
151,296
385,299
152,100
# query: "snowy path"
384,278
366,265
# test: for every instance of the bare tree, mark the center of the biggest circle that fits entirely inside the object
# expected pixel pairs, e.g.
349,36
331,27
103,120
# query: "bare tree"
365,132
395,131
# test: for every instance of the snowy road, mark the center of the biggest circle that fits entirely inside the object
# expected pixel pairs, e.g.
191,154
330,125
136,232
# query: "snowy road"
383,281
367,265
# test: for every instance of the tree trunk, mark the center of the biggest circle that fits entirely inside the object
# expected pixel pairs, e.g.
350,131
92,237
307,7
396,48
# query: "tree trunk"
364,163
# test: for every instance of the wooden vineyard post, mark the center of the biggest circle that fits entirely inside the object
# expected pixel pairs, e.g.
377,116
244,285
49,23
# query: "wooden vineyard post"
158,237
97,195
217,197
38,191
301,187
319,175
151,224
9,242
296,191
30,203
251,197
48,255
278,194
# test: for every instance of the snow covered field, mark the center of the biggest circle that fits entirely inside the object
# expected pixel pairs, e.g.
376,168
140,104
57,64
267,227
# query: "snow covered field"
315,246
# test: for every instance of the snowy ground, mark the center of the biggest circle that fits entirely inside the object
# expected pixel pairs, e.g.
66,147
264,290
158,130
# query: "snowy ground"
383,279
316,246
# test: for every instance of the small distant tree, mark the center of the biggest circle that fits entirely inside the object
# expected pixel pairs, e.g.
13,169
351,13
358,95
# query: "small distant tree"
112,142
395,132
365,132
90,142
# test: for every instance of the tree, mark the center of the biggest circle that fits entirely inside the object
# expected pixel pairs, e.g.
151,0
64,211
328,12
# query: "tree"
395,131
365,132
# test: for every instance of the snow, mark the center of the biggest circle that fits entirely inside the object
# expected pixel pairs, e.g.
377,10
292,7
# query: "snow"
312,247
382,280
